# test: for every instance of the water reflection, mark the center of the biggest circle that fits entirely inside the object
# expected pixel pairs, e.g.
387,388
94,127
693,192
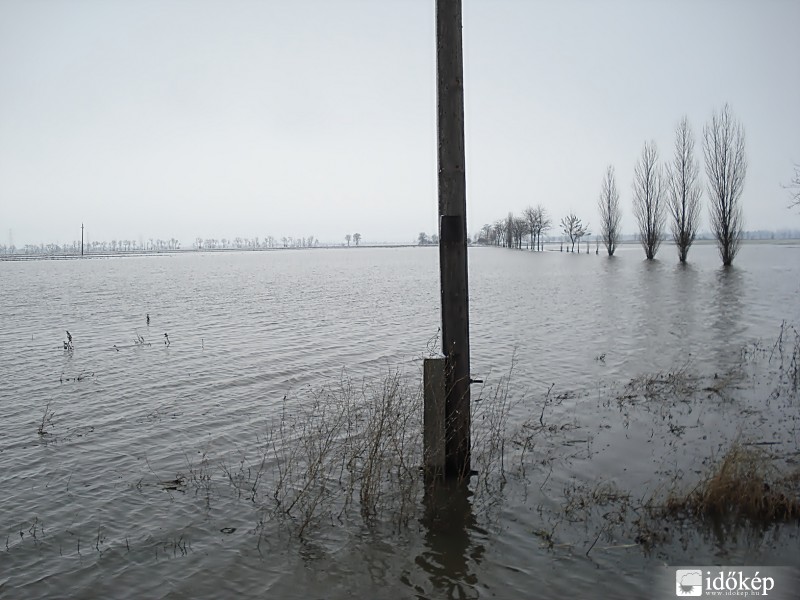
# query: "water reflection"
449,550
651,318
728,322
684,316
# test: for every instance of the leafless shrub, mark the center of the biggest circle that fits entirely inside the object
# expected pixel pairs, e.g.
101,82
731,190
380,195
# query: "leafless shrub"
356,452
199,474
46,422
786,353
245,477
490,431
350,447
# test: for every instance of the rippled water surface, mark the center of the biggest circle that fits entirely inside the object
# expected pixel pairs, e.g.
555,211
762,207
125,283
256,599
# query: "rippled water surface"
85,511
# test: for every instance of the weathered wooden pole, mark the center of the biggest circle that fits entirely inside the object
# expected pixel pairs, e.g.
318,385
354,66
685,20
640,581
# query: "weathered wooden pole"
453,236
81,239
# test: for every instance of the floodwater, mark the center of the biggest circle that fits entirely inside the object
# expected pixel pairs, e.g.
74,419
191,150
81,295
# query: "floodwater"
85,511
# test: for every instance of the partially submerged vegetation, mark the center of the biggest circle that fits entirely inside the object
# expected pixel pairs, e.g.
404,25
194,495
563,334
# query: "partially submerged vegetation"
750,480
350,449
743,484
356,451
347,458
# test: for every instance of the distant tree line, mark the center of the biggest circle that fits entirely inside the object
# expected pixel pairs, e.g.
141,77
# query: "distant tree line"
172,244
423,239
101,247
255,243
661,194
159,245
511,231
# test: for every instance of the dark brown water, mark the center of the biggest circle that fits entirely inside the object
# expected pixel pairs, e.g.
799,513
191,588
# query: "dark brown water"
83,513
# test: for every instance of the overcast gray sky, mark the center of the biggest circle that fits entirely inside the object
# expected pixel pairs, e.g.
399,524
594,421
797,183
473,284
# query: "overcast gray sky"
317,117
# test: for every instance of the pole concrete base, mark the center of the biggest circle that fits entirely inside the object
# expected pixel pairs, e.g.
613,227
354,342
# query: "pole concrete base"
433,421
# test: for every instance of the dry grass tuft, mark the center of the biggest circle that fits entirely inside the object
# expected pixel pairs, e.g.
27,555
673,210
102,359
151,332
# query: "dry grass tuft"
744,484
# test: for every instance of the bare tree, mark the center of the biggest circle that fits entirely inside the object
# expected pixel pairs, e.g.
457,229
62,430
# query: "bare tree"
509,233
683,190
573,228
499,233
543,225
567,227
485,234
648,205
726,166
538,221
581,231
610,212
532,219
520,230
356,238
348,237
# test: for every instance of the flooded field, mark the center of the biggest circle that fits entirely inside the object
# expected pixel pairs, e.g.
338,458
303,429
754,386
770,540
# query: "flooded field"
232,460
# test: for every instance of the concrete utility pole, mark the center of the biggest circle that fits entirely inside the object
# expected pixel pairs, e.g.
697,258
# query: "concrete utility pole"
81,239
453,236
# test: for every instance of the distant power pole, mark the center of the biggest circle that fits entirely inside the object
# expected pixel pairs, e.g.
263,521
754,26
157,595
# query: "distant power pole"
81,239
453,236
